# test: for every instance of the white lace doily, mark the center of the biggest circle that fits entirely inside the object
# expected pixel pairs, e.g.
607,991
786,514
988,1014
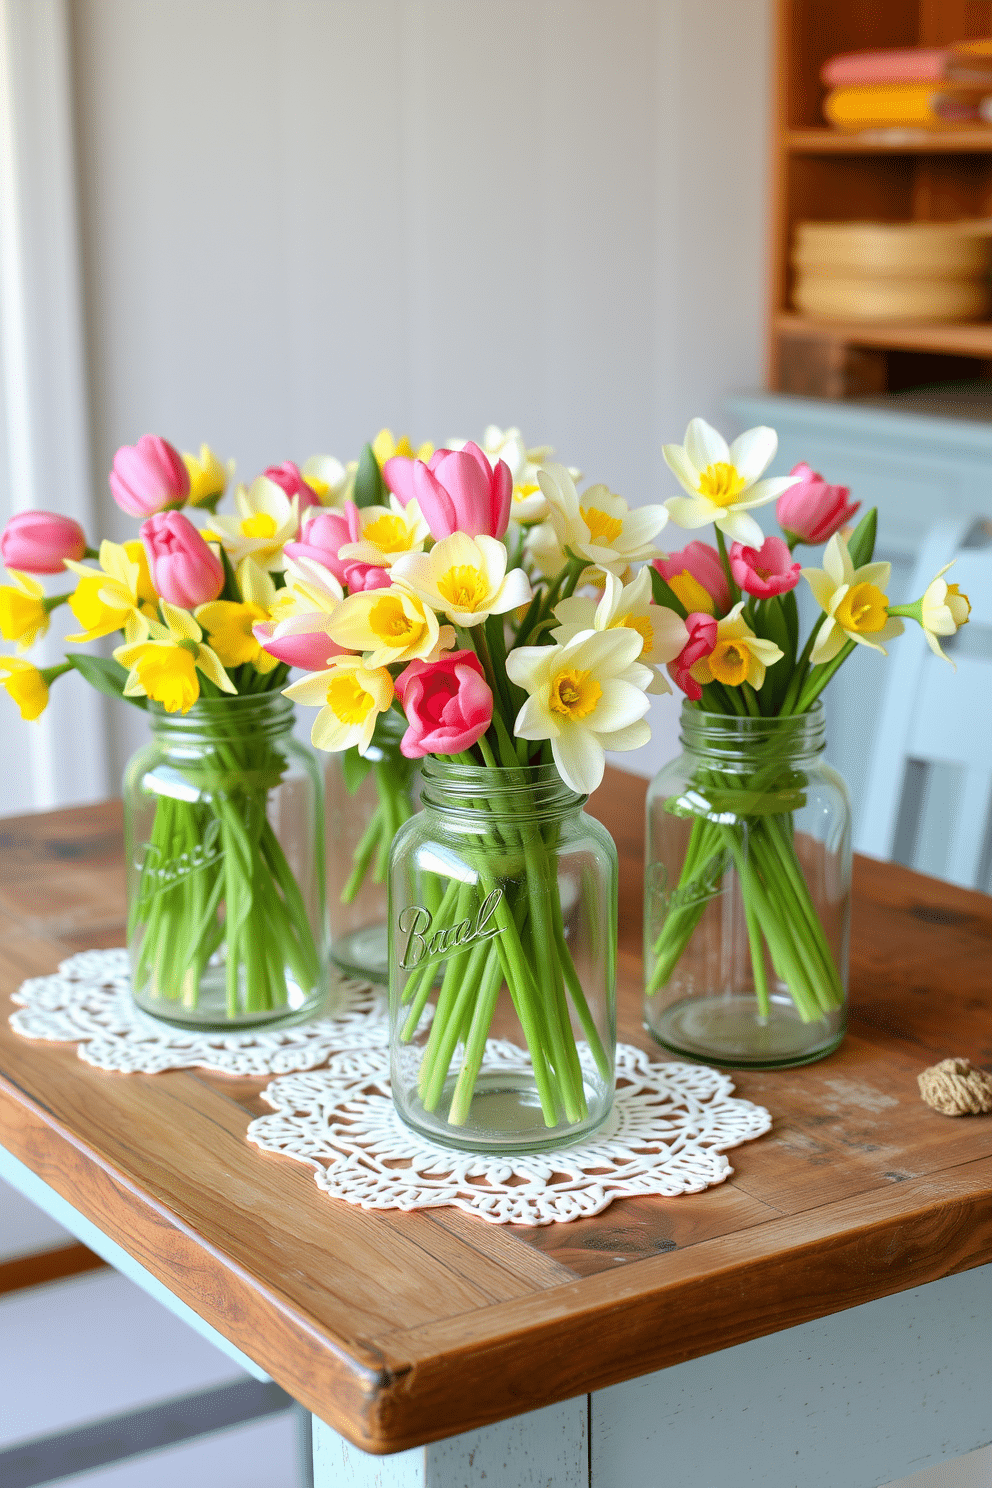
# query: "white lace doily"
88,1001
669,1128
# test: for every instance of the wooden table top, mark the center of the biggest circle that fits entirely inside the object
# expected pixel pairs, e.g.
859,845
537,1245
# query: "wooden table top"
400,1328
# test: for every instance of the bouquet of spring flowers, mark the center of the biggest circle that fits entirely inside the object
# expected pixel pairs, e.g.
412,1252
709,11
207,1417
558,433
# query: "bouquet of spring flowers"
744,657
500,621
218,894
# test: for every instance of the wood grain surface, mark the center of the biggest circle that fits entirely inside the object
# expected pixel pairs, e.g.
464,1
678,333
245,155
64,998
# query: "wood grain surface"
398,1329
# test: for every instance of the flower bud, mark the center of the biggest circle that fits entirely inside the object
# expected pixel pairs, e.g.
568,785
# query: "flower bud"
183,568
148,477
37,541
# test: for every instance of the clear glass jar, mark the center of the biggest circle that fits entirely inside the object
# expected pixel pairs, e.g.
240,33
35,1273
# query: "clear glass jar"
502,961
748,893
223,816
366,800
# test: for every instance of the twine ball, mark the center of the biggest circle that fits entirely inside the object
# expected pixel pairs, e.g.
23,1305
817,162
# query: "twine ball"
956,1087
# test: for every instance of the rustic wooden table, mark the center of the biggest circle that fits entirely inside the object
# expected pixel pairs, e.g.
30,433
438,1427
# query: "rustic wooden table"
862,1209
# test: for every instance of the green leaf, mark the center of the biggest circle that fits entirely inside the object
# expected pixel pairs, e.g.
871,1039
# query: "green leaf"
354,768
862,542
230,590
370,488
107,676
665,596
771,625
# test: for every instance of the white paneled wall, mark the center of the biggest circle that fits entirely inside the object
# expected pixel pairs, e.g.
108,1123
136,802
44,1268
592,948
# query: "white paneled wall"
306,218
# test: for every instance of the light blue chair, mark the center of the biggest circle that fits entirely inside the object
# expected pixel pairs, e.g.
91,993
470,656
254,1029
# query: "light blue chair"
933,716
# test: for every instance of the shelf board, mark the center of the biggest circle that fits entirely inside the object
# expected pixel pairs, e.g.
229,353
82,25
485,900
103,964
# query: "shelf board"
968,339
971,140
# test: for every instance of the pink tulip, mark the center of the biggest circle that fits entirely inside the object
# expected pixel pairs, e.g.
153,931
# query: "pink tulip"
301,641
287,475
448,704
457,491
701,563
148,477
359,576
811,511
183,569
766,570
702,638
36,542
324,535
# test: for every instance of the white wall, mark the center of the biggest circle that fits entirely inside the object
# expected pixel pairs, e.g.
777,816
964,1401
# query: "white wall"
303,219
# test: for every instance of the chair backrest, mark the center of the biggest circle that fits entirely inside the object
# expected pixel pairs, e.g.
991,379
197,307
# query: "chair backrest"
932,715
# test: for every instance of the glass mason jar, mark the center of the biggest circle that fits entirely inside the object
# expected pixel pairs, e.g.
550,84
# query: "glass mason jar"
502,961
366,800
223,816
747,893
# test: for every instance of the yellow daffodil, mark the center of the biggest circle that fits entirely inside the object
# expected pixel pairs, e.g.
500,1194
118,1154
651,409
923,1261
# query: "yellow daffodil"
23,611
738,656
587,696
229,624
118,596
350,696
854,601
387,532
208,478
331,482
390,626
384,447
464,578
164,666
627,606
26,685
941,612
723,482
598,525
266,519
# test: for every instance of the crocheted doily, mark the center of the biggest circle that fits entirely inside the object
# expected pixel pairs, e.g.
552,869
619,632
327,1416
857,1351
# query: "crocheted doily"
88,1001
667,1133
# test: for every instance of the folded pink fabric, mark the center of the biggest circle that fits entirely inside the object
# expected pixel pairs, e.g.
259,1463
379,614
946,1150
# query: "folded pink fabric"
901,65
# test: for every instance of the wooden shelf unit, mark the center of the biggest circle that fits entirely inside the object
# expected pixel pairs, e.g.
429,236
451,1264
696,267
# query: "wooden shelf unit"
822,174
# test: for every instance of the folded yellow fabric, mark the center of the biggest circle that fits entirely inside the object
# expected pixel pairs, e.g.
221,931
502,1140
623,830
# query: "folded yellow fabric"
923,105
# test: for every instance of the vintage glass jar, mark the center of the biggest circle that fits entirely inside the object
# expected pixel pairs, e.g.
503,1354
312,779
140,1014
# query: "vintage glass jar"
747,893
367,800
227,920
502,961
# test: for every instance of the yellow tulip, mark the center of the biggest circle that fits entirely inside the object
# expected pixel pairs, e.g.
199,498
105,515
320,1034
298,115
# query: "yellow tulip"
26,685
208,478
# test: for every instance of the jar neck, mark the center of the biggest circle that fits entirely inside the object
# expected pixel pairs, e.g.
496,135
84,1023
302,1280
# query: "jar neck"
726,740
525,794
252,719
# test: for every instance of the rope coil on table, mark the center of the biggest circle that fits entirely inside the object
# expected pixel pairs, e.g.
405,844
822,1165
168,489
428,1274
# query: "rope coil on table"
956,1087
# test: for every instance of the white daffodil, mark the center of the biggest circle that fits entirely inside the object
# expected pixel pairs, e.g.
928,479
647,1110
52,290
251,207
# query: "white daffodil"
587,696
164,666
723,482
266,520
310,587
529,503
944,609
627,606
350,696
464,578
598,525
330,481
391,626
941,612
854,601
387,533
738,656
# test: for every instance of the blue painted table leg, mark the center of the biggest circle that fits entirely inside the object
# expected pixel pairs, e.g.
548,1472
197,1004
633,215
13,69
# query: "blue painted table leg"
544,1447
